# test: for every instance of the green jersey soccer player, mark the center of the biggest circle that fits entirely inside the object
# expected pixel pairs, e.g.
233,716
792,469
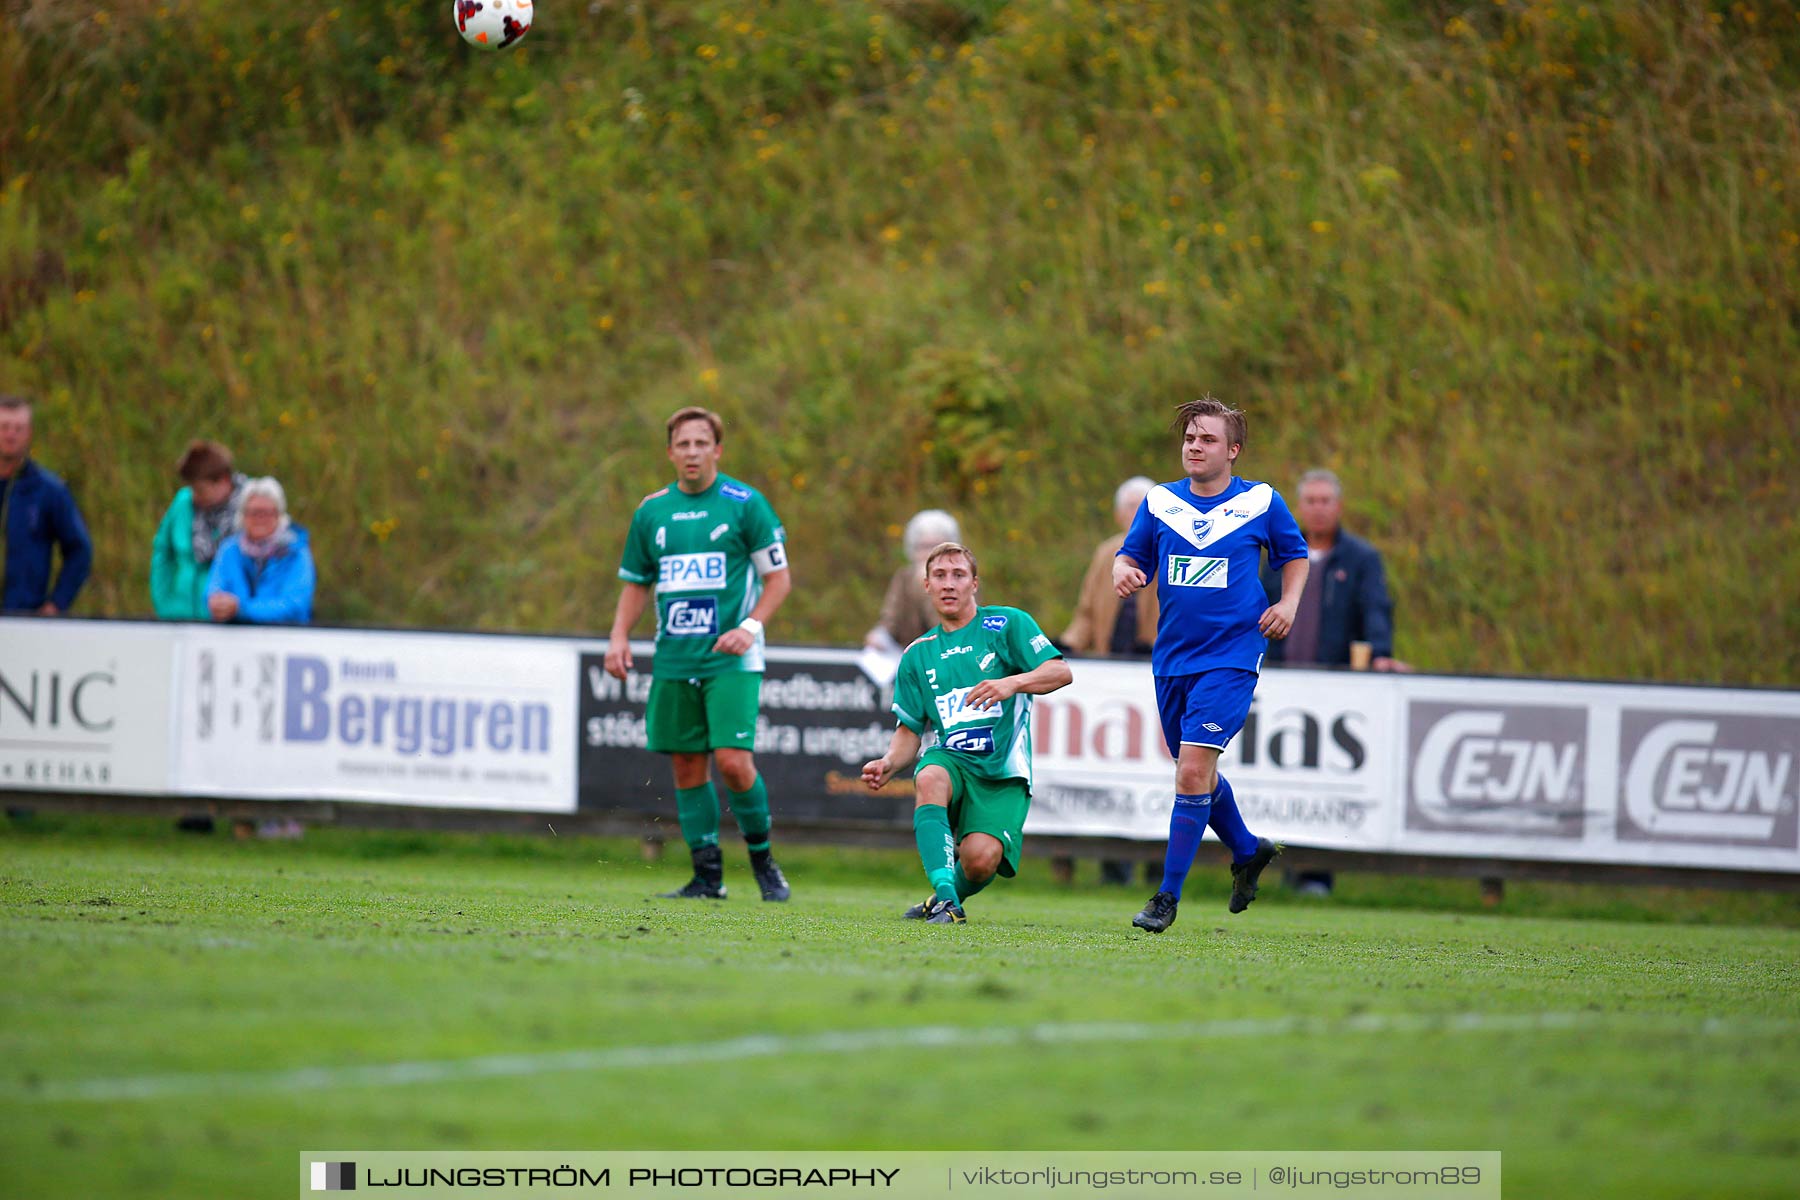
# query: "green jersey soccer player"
970,681
712,553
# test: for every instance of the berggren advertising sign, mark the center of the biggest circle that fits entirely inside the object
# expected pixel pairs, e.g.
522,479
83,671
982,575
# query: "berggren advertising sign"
84,706
432,719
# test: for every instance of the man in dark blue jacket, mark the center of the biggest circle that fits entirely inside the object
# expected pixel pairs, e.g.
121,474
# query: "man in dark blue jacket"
1346,597
37,514
1345,601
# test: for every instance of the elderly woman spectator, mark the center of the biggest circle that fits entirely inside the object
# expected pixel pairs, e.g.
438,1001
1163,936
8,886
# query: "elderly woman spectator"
264,575
203,516
906,610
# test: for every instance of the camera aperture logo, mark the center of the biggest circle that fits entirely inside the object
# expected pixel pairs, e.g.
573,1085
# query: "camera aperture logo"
334,1177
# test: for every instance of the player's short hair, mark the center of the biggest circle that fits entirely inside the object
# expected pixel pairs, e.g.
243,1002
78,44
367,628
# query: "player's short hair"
1237,428
1321,475
694,412
929,528
203,462
14,403
948,550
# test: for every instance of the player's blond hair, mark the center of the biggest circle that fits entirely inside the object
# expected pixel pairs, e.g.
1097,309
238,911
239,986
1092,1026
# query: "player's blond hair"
948,549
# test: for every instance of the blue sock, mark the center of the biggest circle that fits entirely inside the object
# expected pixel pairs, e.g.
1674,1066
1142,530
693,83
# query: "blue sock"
1228,823
1187,825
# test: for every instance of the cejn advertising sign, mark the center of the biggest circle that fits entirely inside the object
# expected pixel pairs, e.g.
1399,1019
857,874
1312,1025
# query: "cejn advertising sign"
431,719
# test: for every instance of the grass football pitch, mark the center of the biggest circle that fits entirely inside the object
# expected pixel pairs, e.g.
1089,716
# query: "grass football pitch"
182,1015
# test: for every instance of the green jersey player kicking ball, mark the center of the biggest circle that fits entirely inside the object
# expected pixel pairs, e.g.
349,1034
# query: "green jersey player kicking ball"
970,682
712,553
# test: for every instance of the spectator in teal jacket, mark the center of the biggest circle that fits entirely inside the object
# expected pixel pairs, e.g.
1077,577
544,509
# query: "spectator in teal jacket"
264,575
203,516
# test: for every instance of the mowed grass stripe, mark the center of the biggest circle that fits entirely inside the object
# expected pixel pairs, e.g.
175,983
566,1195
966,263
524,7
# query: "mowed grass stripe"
861,1041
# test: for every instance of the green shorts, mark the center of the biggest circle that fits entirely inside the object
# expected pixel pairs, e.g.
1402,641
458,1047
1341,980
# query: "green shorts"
693,716
996,807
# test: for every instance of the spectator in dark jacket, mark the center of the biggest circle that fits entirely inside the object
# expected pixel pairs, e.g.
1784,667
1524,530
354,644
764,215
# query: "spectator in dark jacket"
1346,597
37,516
1345,601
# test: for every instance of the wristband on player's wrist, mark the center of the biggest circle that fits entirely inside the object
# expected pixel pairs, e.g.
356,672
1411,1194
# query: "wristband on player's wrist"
751,626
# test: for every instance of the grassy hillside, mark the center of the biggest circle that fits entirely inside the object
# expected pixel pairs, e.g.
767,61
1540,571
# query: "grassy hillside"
1526,274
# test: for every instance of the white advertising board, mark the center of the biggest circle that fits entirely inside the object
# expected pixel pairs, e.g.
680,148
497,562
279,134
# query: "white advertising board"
444,720
84,706
1658,776
1313,765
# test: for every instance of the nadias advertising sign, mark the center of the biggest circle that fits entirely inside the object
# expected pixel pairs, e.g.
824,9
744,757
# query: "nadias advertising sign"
83,706
430,719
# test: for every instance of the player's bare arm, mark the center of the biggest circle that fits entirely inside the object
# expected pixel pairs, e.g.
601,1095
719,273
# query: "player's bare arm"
902,750
632,603
1128,577
1039,681
738,640
1278,618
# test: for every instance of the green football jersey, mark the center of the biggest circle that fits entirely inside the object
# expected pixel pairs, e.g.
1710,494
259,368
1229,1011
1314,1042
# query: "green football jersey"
705,556
937,672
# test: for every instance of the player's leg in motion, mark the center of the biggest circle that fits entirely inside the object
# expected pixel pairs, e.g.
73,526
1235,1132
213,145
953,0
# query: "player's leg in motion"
1249,853
749,800
937,847
977,861
1188,817
697,806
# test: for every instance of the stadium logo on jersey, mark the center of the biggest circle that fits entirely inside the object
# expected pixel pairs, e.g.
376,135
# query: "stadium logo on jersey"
732,491
1041,642
719,531
691,572
690,515
1511,769
1720,778
954,650
954,708
692,618
1185,570
987,660
971,741
997,622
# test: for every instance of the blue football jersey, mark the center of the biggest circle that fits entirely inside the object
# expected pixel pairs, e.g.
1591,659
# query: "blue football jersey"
1204,553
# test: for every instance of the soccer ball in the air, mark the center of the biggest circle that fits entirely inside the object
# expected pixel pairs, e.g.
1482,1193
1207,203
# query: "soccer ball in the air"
491,24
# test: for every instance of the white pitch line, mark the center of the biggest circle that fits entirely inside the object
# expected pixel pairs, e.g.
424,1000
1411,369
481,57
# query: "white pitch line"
626,1058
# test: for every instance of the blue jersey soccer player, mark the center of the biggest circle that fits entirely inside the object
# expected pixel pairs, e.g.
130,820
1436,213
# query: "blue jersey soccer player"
1204,537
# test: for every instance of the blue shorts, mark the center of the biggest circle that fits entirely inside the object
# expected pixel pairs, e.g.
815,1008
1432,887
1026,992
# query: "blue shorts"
1206,709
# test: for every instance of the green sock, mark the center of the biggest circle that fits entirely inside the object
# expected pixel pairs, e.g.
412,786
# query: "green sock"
965,887
937,848
751,809
698,808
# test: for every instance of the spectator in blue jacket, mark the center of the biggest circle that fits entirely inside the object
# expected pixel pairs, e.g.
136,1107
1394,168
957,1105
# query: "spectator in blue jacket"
1346,596
264,575
37,515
